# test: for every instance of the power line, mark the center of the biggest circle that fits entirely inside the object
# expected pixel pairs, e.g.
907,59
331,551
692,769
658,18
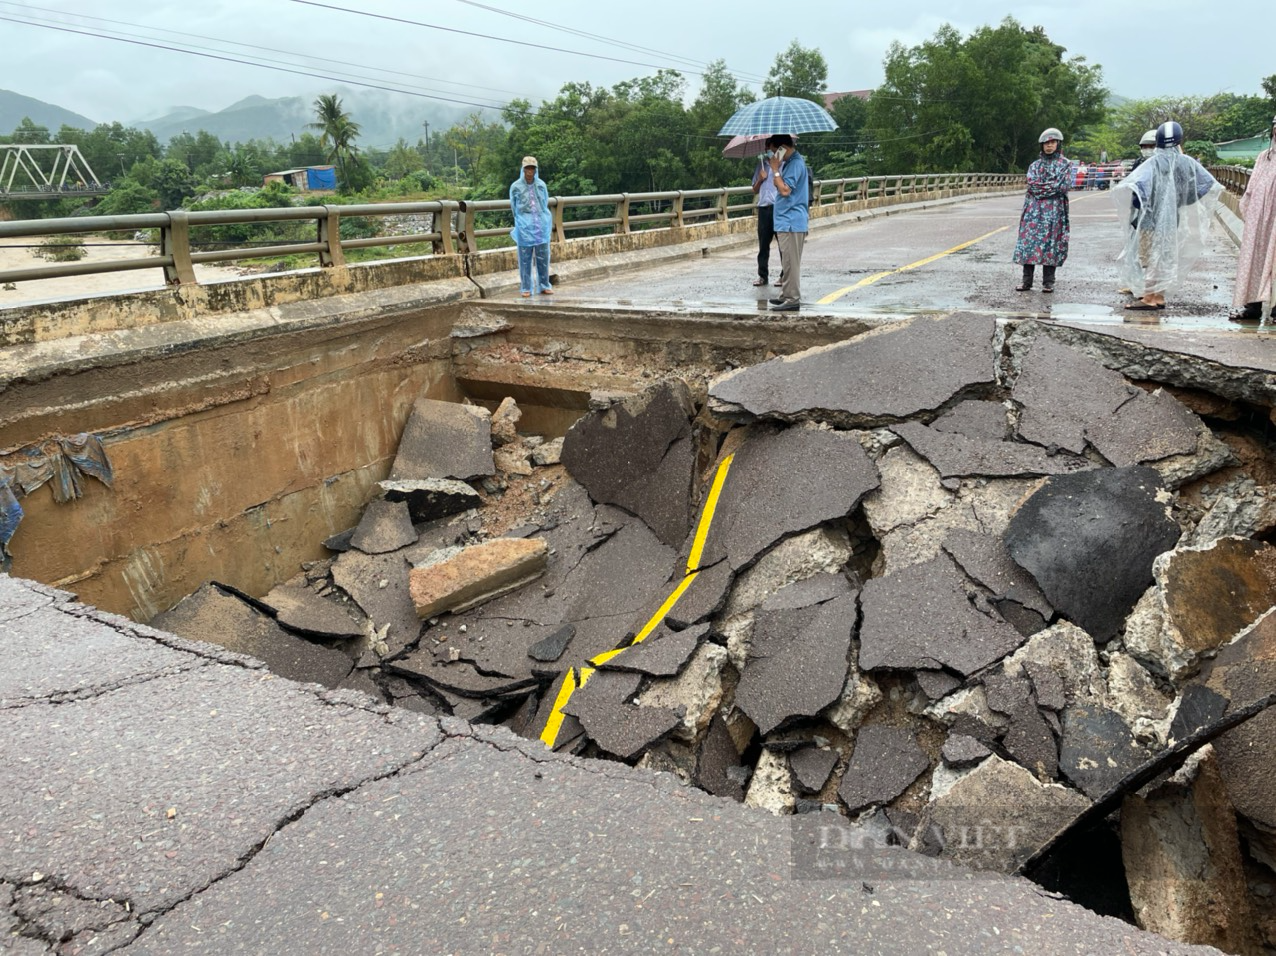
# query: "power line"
484,36
247,46
753,78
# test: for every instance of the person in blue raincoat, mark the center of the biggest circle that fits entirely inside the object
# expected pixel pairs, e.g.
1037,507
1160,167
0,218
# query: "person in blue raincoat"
1044,227
529,199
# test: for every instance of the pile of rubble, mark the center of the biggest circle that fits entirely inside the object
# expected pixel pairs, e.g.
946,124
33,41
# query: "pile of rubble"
954,582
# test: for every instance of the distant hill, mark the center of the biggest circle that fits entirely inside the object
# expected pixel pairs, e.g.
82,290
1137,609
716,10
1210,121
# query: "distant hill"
1115,101
382,117
14,107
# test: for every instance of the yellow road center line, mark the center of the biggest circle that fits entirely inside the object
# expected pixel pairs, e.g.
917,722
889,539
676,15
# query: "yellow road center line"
706,517
554,723
869,280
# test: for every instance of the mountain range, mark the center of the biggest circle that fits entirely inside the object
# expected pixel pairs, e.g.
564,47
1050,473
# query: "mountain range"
383,117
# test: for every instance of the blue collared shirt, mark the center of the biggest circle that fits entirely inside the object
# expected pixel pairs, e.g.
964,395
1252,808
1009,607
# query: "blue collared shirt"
791,213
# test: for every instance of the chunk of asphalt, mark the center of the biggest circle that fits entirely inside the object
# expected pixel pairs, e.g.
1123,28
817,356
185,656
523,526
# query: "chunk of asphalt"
705,597
603,707
302,610
958,456
1047,685
937,684
1060,391
1098,749
781,483
664,652
339,541
718,767
1198,707
1030,741
1005,694
975,419
379,585
385,526
1089,541
214,616
457,677
811,767
867,381
552,647
985,559
1147,428
920,617
637,453
886,760
444,440
431,498
797,662
807,593
961,750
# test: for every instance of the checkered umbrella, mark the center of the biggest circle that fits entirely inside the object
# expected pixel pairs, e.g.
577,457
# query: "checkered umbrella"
779,114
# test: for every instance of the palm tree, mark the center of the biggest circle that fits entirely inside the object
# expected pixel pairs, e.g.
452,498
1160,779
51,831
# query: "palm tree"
337,131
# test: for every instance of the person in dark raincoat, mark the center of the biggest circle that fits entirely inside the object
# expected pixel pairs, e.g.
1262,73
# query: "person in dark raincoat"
1043,226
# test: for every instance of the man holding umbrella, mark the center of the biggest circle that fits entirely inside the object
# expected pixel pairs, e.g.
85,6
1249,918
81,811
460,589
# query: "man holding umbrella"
791,216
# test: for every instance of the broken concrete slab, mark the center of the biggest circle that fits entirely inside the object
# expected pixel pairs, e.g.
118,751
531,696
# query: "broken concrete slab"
998,815
301,609
1062,653
866,381
513,459
955,455
718,767
811,767
1098,749
985,559
431,498
1134,695
782,483
663,653
385,526
921,618
697,691
1194,622
637,454
771,785
216,617
808,592
975,419
444,440
469,576
885,761
1244,671
505,421
1149,427
1089,541
823,550
1183,861
798,661
549,453
908,493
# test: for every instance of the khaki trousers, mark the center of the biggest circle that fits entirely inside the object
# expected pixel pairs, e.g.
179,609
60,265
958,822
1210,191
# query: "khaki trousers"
791,244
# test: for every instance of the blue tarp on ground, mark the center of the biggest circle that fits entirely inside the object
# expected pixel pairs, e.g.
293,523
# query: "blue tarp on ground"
324,177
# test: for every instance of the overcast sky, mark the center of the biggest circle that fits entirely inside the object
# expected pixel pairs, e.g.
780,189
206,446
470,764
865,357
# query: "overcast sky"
1180,50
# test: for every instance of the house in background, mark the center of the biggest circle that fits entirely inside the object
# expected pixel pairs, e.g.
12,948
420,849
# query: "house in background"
305,179
1247,149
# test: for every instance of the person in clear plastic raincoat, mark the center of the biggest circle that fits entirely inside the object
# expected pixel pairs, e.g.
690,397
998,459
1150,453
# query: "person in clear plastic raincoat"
1165,207
529,200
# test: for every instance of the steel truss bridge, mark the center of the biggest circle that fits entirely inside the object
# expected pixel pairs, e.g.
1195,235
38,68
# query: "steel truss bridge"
49,171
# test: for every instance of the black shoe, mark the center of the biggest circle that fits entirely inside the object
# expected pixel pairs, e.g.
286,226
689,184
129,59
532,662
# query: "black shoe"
1253,312
776,301
790,305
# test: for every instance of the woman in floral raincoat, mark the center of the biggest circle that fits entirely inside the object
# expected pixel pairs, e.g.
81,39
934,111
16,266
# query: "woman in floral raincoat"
1043,226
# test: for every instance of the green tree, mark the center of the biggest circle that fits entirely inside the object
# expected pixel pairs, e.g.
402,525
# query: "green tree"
800,72
402,160
129,198
719,97
337,132
27,133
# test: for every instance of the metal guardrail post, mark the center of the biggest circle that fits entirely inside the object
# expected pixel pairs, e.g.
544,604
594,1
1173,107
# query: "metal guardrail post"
175,242
332,255
675,221
722,207
622,213
468,225
444,245
556,210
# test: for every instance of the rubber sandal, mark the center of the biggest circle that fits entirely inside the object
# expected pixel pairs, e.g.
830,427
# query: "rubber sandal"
527,295
547,291
1047,288
1023,288
760,281
1142,307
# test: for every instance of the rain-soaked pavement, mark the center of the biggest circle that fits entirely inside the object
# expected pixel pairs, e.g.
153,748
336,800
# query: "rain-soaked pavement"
878,267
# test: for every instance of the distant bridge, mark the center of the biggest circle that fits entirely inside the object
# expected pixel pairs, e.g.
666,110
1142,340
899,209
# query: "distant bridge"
50,171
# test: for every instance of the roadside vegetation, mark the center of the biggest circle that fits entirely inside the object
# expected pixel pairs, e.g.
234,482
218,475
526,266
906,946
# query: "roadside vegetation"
953,103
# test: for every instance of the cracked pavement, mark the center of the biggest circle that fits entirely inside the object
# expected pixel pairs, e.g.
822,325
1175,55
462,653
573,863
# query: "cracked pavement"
161,796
